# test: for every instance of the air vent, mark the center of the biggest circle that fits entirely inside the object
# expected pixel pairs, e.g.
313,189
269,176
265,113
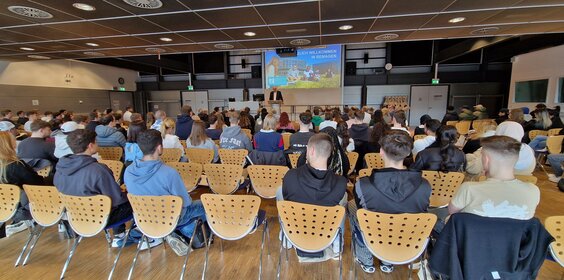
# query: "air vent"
155,50
223,46
300,42
145,4
34,56
484,31
94,54
386,37
29,12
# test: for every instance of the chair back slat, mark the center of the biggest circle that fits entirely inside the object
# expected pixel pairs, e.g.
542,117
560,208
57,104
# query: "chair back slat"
554,144
171,155
294,160
110,153
233,156
554,131
444,186
9,200
555,226
374,161
463,127
44,172
201,156
231,217
364,172
266,179
45,204
191,173
156,216
115,166
223,178
533,133
87,215
353,158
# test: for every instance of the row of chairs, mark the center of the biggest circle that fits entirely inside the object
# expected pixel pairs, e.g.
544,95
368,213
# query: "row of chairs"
551,132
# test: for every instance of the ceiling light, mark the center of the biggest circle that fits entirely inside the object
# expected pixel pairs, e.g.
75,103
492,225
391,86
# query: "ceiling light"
84,7
456,19
346,27
300,42
223,46
155,50
27,49
296,30
38,56
94,54
250,34
29,12
145,4
165,39
484,31
386,36
92,44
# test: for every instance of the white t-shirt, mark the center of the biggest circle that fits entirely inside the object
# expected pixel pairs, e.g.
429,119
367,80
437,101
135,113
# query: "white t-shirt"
350,146
325,124
127,116
421,144
171,142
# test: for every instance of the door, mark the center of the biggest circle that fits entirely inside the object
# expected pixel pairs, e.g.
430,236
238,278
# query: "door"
121,99
430,100
198,100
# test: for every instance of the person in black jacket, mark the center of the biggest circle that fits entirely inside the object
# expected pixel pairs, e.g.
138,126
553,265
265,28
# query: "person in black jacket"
450,115
446,157
393,189
36,146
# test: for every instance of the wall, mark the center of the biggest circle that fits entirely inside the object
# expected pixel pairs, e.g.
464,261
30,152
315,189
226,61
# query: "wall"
543,64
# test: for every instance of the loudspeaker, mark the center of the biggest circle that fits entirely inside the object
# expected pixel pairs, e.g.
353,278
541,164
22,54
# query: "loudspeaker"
256,72
243,63
350,68
365,58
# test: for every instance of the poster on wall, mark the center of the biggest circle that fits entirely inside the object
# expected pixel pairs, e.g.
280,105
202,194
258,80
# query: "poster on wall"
311,68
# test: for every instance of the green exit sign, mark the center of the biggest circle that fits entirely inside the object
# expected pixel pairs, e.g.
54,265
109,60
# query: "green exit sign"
190,87
435,81
121,88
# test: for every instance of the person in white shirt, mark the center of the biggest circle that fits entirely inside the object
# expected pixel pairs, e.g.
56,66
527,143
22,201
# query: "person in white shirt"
431,127
170,140
398,121
127,114
160,115
367,115
32,116
329,121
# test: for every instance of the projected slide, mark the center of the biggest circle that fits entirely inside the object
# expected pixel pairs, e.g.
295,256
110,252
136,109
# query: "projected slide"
312,68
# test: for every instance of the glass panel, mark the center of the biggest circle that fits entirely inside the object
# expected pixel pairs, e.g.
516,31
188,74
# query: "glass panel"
531,91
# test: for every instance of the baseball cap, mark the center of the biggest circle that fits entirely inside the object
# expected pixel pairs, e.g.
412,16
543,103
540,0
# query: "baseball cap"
69,127
6,126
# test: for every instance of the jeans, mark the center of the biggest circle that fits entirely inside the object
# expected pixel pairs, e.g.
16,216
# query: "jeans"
361,251
555,160
538,143
119,213
193,212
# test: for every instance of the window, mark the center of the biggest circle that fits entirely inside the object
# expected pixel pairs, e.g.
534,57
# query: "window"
561,90
531,91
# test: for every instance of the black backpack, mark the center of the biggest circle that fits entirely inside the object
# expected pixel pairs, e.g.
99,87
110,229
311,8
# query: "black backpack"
561,185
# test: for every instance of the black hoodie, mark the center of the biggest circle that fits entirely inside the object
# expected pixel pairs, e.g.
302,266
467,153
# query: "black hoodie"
82,175
360,132
306,184
393,191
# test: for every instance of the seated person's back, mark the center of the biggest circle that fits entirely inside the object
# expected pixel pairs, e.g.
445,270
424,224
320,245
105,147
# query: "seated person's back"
446,157
299,140
233,137
268,140
106,133
36,147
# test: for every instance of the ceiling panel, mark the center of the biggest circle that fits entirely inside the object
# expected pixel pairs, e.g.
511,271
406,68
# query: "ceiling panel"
524,15
261,44
206,36
399,23
534,28
57,15
314,41
132,25
209,4
103,9
402,7
342,39
538,2
135,51
124,41
156,39
337,9
45,32
168,6
299,12
332,27
10,36
402,36
9,20
438,33
293,30
472,18
180,22
189,48
232,17
88,28
461,5
235,46
238,34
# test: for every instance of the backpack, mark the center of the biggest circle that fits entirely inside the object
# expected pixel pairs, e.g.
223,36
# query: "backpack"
561,185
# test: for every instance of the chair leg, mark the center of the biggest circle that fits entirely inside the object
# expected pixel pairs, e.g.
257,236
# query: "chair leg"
108,238
119,254
135,257
267,237
76,242
221,245
261,248
410,265
31,236
207,250
148,244
280,258
340,254
32,246
285,242
189,250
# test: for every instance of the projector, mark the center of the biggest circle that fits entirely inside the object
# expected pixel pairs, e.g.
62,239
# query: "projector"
287,52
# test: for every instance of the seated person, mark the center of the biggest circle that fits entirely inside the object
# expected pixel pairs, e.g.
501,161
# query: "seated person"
36,146
420,130
150,176
345,140
450,115
216,127
233,137
501,195
299,140
107,135
446,157
61,146
358,130
431,127
393,189
268,140
199,139
170,140
502,116
473,143
132,151
328,122
284,124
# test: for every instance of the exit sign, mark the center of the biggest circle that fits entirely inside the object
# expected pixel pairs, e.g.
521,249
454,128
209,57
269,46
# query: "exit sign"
190,87
121,88
435,81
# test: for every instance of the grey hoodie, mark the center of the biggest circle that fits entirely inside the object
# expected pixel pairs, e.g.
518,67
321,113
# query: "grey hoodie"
233,138
109,137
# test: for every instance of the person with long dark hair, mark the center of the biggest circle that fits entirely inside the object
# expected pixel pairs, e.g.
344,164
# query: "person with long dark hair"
345,140
338,161
378,129
446,157
132,151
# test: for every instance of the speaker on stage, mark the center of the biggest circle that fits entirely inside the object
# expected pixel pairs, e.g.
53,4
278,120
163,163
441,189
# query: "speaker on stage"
256,72
350,68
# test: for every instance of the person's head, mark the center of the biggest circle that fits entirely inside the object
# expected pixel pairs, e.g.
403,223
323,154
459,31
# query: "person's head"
423,119
516,115
395,146
7,126
358,115
150,117
499,154
431,126
510,129
32,115
378,117
269,122
69,127
305,119
234,118
136,117
274,88
503,112
20,114
319,148
108,111
216,109
186,110
398,118
168,126
540,106
244,120
108,120
198,135
543,119
135,128
80,119
284,119
7,153
316,111
150,143
41,129
93,116
328,116
450,108
7,114
128,109
343,132
447,135
82,141
160,115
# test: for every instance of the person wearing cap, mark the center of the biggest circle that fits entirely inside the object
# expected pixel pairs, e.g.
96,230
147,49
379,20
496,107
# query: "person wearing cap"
11,128
36,146
61,147
503,115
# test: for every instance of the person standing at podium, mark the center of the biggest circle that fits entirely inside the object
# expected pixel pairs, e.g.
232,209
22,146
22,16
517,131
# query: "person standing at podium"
275,100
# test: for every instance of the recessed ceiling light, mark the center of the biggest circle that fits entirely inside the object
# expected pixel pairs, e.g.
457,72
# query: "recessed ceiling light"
223,46
165,39
27,49
92,44
155,50
38,56
84,7
94,54
386,36
346,27
300,42
29,12
250,34
145,4
298,30
484,31
456,19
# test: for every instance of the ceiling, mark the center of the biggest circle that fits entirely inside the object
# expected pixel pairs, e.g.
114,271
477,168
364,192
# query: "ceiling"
120,29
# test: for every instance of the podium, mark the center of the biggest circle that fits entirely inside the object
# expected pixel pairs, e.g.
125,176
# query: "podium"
276,105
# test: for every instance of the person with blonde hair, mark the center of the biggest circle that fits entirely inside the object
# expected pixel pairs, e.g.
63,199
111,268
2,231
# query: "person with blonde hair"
170,140
267,139
199,139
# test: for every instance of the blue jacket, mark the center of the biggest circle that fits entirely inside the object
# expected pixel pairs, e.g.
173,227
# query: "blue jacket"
109,137
184,126
132,152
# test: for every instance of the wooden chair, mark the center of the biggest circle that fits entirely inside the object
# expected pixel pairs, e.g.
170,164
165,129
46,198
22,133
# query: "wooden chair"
395,238
183,143
157,217
115,166
533,133
201,156
266,179
45,171
296,126
554,131
310,228
294,160
453,123
232,217
224,178
247,132
9,201
286,138
191,173
419,137
555,226
463,127
353,158
374,161
228,156
172,155
216,142
444,186
46,208
554,144
110,153
364,173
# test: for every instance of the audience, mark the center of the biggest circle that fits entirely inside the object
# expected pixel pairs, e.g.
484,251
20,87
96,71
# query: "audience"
431,126
338,162
184,122
107,135
132,151
517,115
7,115
399,120
199,139
367,116
328,122
32,116
466,114
317,119
450,115
216,127
151,119
445,156
299,140
473,142
359,131
170,140
36,146
378,129
284,124
346,142
160,115
480,112
94,121
268,140
127,114
245,122
22,119
233,137
502,116
61,146
420,130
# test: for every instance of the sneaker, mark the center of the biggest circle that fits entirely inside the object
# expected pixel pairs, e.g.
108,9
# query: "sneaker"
542,150
386,268
18,227
365,268
62,228
177,244
117,241
153,242
553,178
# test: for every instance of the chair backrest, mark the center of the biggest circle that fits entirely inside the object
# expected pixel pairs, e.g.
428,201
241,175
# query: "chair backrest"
183,143
555,226
201,156
171,155
444,186
9,200
294,160
286,138
419,136
235,156
365,172
190,172
44,172
310,228
87,215
395,238
266,179
247,132
463,127
533,133
110,153
223,178
554,144
453,123
231,217
353,158
374,161
45,204
156,216
115,166
554,131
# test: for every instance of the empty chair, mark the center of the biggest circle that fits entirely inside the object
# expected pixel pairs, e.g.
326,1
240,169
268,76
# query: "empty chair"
233,156
353,158
374,161
110,153
46,209
266,179
555,226
201,156
224,178
444,186
310,228
191,173
232,217
463,127
115,166
294,160
171,155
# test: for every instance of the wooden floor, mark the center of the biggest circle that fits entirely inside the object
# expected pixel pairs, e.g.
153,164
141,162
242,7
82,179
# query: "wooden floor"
239,260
